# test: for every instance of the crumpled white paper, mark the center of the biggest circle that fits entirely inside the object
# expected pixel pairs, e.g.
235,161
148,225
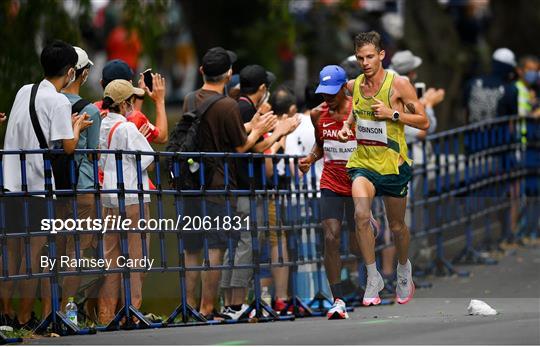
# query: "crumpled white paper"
480,308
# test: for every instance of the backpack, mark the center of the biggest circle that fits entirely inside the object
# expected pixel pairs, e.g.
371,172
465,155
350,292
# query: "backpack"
79,105
184,138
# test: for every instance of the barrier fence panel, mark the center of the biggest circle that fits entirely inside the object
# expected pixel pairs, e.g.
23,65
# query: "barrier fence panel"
99,244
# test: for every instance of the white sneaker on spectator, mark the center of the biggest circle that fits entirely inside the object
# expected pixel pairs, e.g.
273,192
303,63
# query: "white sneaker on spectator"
405,284
338,310
373,287
228,311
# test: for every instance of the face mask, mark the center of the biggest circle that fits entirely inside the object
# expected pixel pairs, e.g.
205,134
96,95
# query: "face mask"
84,79
129,108
72,79
264,98
531,77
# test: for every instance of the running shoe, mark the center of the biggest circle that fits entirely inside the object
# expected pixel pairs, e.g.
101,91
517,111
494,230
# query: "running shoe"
373,287
405,285
338,310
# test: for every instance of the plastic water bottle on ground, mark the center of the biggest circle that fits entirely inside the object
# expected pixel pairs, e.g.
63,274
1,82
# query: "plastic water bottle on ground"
265,296
71,310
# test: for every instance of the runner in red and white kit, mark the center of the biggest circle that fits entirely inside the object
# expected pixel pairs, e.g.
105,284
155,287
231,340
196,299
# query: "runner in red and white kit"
336,199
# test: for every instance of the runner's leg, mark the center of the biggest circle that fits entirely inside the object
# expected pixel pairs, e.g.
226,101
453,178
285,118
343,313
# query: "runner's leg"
395,212
363,192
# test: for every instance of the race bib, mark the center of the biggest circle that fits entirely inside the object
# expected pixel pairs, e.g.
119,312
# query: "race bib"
338,151
371,133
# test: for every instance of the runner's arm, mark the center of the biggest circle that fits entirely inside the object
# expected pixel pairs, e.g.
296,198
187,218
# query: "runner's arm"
415,114
343,134
315,114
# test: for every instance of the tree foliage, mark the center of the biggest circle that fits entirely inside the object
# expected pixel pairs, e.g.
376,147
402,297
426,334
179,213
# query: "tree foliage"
27,25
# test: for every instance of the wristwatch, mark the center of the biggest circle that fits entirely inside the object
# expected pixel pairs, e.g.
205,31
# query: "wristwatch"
395,116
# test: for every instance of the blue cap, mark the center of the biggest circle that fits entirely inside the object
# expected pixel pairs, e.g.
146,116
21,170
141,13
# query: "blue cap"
331,79
116,69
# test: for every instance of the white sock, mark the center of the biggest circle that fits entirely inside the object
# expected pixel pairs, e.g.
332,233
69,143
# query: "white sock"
404,269
372,270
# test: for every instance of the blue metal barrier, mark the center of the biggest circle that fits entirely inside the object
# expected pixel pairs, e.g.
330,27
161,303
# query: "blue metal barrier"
463,179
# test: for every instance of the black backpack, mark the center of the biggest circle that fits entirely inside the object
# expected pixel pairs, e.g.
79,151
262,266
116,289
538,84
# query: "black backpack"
184,138
79,105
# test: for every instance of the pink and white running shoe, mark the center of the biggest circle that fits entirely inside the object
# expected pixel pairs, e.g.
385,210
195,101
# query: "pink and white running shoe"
405,285
373,287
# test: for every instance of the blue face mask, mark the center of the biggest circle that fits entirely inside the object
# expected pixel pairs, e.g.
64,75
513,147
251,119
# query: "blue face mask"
531,77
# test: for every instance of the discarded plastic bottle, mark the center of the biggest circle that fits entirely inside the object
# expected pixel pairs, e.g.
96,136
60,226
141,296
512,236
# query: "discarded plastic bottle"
71,310
193,165
265,296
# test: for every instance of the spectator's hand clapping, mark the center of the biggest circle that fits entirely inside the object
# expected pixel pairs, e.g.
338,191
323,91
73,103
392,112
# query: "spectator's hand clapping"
264,108
2,117
263,123
289,124
81,122
432,97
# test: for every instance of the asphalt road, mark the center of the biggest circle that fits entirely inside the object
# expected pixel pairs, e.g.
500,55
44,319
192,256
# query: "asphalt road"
436,316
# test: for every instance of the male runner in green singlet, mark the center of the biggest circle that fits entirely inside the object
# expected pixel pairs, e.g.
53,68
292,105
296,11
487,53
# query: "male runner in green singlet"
383,103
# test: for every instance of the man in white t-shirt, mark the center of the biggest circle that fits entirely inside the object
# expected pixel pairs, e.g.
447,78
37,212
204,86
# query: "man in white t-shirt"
53,111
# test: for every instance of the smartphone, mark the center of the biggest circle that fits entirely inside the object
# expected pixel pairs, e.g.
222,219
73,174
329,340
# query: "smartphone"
148,78
420,89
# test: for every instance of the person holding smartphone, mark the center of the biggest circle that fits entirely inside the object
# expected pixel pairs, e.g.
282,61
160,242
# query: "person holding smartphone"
155,133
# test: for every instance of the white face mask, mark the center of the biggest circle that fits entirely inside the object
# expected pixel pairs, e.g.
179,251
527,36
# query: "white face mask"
128,108
72,79
265,97
85,78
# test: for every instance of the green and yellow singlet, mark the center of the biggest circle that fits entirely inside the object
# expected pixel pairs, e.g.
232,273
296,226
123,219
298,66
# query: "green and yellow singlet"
380,142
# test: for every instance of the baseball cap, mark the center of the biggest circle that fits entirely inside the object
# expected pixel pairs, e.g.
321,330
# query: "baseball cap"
505,56
217,61
82,60
252,76
116,69
331,79
404,61
120,90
